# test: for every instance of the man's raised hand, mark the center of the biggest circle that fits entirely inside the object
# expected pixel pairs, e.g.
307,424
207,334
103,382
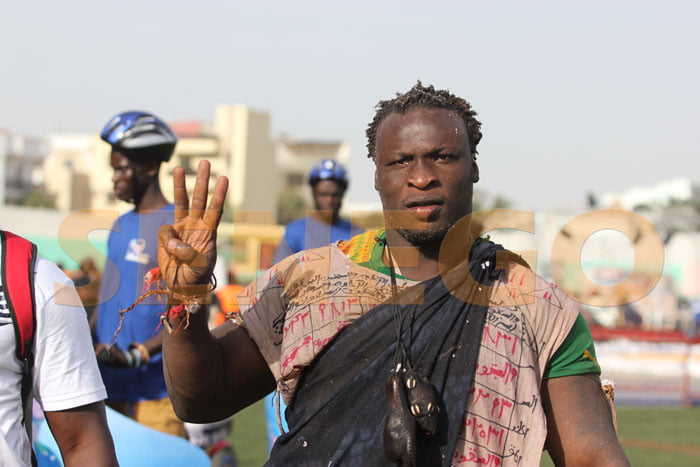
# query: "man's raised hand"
187,249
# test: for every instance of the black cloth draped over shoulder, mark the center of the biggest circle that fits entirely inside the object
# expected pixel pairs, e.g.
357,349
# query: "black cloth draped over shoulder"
337,414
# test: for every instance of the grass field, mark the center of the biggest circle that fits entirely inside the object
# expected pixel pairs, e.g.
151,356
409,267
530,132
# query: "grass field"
249,436
658,436
651,436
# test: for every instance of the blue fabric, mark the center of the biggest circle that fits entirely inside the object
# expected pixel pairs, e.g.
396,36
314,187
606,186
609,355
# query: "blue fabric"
307,233
45,457
132,251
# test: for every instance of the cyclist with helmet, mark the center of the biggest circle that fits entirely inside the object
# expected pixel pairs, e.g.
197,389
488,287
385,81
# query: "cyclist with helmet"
131,366
328,181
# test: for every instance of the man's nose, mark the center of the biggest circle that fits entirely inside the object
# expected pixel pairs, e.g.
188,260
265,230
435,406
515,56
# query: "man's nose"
422,174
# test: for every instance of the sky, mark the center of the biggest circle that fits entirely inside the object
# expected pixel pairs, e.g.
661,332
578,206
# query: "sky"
574,97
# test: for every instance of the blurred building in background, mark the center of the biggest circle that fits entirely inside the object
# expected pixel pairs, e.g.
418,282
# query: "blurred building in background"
72,173
657,196
238,144
67,179
72,169
21,174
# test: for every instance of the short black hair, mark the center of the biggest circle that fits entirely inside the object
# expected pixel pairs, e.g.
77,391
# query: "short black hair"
146,155
430,98
342,183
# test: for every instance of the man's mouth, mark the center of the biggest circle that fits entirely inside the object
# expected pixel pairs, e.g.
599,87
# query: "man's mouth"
119,190
425,208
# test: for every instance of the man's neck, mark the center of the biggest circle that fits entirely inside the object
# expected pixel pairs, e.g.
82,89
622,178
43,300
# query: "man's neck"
415,262
327,217
152,200
421,262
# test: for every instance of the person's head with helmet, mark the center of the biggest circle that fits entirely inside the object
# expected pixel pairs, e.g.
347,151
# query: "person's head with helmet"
328,180
140,142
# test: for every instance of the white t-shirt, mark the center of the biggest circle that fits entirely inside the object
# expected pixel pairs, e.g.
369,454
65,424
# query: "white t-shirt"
65,370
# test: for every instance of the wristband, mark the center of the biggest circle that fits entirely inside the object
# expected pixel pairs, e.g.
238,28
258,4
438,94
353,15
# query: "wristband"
139,354
129,358
135,357
145,354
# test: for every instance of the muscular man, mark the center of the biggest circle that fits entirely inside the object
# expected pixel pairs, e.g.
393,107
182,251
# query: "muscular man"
417,344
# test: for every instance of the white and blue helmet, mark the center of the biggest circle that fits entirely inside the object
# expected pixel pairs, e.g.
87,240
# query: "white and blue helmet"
139,134
328,169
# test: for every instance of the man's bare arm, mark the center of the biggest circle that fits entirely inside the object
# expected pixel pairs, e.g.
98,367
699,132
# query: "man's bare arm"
212,376
209,376
580,429
83,436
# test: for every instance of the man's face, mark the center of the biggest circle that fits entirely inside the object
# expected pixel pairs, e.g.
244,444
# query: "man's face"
129,179
424,172
328,195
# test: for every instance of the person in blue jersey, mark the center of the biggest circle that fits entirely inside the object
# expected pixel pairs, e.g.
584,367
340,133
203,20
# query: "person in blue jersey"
131,365
328,181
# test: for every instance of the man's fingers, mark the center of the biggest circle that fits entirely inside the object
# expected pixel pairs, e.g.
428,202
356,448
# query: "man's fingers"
180,200
201,187
99,348
165,233
216,203
181,250
197,210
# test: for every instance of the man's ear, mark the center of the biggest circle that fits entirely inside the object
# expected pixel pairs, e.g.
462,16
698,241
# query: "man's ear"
475,170
376,181
152,167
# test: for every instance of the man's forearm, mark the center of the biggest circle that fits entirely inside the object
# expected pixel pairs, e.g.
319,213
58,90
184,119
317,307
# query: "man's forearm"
579,423
154,345
193,366
99,452
83,436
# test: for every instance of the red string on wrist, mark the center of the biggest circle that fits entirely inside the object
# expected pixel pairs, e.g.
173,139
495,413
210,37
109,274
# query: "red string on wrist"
188,303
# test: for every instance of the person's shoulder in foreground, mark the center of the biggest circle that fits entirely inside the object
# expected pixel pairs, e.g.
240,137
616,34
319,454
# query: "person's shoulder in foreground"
66,381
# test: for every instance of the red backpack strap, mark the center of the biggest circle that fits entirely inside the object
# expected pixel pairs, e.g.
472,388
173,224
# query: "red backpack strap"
17,275
18,258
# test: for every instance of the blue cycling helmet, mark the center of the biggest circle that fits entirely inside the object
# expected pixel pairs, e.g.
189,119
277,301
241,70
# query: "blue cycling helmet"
328,169
138,135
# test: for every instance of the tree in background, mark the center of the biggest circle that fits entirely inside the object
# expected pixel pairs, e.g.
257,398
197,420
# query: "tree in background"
38,197
290,206
484,201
